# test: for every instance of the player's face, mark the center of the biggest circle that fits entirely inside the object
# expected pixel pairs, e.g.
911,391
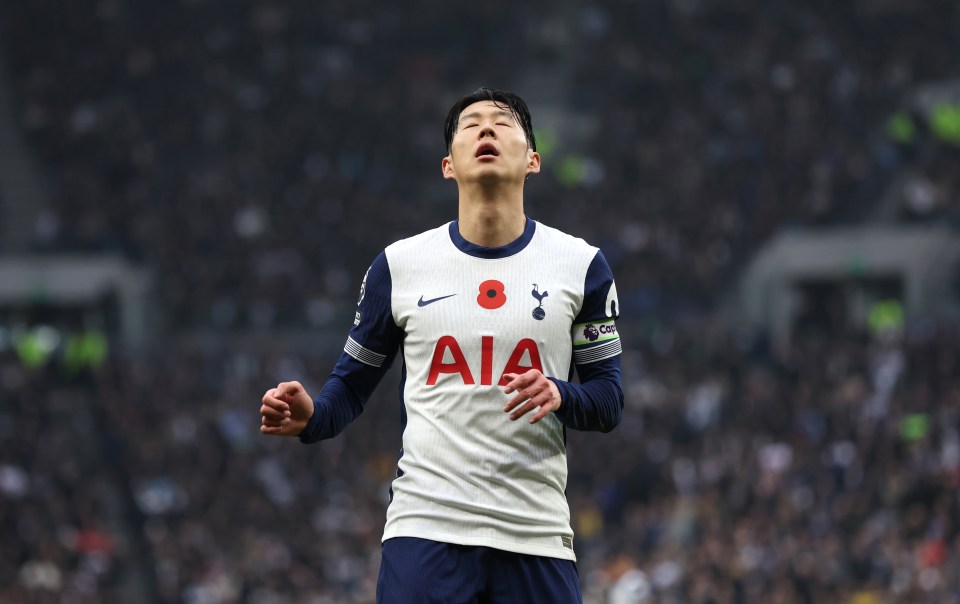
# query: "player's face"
489,145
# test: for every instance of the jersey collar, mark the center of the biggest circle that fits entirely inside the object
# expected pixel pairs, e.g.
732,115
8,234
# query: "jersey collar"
492,253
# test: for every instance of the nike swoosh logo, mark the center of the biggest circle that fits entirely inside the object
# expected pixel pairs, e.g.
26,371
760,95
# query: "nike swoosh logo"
421,302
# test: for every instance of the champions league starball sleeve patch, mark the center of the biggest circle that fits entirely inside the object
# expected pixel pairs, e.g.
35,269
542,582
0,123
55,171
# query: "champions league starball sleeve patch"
594,341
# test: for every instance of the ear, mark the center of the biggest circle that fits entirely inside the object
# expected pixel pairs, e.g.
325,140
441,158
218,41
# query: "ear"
446,165
533,162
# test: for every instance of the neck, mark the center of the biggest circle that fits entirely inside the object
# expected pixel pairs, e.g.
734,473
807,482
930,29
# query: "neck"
491,217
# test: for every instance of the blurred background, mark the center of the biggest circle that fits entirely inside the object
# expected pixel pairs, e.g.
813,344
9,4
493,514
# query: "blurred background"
191,191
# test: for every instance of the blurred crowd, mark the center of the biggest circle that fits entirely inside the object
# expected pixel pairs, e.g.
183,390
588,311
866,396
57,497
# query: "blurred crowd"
257,156
722,123
825,471
54,493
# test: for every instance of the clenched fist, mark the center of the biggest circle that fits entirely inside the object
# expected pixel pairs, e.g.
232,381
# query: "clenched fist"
286,410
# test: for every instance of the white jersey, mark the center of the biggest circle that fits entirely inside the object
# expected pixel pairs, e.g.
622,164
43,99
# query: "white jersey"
465,316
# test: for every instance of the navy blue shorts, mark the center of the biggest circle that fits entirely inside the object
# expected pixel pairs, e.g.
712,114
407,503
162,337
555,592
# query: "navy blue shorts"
420,571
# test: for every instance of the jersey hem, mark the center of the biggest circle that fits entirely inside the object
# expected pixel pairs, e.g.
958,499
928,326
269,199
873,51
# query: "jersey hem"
547,551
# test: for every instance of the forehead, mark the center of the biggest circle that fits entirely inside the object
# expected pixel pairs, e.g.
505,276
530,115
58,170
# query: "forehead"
485,109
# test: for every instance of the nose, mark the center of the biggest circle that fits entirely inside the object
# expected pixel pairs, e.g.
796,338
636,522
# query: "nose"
486,131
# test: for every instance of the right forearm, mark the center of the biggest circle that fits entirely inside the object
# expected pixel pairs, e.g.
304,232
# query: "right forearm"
333,408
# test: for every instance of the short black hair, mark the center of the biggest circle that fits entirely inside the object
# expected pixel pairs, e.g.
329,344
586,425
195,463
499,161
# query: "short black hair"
503,99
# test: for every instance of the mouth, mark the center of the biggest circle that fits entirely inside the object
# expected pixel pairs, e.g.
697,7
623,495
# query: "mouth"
487,150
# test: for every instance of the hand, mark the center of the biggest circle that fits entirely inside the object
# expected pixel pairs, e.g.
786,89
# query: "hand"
533,390
286,410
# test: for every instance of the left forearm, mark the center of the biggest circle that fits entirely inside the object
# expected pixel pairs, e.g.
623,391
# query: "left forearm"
596,405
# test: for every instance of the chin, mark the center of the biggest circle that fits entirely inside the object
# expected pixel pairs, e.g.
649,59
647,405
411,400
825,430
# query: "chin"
491,175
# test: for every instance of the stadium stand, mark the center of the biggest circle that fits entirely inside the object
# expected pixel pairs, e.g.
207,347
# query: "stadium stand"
255,156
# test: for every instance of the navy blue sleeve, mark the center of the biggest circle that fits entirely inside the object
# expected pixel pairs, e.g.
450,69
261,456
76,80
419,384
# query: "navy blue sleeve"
371,347
596,403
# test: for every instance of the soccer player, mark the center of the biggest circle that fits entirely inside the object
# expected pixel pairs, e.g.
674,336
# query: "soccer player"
491,313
